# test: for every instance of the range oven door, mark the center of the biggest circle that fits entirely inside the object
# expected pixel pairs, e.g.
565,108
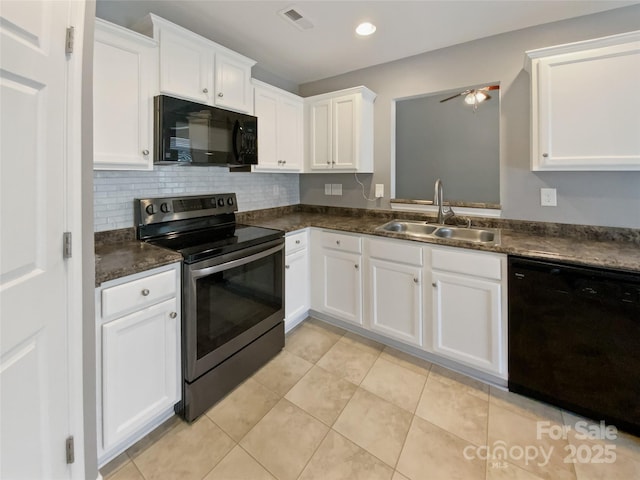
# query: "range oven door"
230,301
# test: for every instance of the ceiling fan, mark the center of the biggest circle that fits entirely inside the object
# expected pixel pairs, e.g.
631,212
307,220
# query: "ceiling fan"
474,96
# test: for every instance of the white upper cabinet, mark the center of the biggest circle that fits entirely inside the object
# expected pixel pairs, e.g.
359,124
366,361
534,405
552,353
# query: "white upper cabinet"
340,131
280,118
186,67
233,82
124,70
195,68
584,109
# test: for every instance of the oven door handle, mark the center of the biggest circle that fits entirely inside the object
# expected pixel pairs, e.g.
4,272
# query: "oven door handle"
203,272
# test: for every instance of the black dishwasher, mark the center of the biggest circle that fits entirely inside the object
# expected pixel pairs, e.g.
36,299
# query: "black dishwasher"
574,339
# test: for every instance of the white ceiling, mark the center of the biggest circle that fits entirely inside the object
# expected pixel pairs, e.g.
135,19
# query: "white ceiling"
405,28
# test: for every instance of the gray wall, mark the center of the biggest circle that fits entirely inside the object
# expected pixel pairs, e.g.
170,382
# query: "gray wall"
596,198
450,141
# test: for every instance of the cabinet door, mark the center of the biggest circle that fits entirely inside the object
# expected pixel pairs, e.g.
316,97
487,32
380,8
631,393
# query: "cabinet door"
396,300
296,286
140,369
290,149
320,149
232,84
584,112
265,108
124,69
186,67
467,321
346,114
342,285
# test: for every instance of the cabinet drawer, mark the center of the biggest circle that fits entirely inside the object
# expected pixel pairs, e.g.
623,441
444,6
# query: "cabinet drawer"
339,241
470,263
138,294
396,252
295,241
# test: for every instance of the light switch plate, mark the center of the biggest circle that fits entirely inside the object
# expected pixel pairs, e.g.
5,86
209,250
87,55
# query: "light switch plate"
379,190
548,197
336,189
327,189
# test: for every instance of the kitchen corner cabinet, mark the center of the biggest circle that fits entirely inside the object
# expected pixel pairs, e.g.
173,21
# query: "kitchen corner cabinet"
584,114
124,72
467,302
296,277
336,268
197,69
138,356
280,136
395,287
340,131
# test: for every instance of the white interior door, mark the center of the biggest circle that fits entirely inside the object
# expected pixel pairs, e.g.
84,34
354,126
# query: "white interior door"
34,379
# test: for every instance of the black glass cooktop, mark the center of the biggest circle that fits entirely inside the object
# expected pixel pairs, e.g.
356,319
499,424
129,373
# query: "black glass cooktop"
207,243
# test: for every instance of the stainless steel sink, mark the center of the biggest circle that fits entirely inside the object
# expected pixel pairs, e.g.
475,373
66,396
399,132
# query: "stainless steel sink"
408,227
417,229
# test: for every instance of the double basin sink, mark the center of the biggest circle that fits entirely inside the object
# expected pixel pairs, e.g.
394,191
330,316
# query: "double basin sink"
430,230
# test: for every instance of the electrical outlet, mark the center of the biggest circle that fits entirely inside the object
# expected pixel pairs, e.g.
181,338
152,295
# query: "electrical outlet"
327,189
548,197
379,190
336,189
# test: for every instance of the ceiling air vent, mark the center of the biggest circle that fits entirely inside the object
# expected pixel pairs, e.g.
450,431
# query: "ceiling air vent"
294,16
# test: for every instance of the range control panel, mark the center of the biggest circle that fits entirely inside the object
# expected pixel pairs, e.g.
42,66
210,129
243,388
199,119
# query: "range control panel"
166,209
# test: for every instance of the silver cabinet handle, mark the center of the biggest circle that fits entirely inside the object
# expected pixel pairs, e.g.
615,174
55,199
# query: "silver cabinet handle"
357,266
173,315
145,292
287,266
545,155
221,94
434,284
297,242
145,152
415,280
205,90
328,162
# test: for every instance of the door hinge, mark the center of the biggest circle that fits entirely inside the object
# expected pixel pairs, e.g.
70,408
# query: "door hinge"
70,450
68,44
66,245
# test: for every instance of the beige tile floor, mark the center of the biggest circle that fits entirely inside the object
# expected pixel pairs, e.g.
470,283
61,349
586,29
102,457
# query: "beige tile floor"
335,406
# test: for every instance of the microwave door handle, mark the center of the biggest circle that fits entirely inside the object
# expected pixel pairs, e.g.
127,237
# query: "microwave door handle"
237,131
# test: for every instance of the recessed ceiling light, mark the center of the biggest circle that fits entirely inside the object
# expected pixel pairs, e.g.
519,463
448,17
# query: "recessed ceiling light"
365,28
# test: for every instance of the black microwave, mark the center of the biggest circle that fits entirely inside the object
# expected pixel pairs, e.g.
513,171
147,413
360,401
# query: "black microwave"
188,133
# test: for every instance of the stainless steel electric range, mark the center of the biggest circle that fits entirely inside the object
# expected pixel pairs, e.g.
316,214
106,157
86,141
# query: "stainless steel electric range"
232,291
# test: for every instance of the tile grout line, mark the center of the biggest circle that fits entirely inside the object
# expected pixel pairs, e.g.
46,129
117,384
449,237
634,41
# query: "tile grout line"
413,417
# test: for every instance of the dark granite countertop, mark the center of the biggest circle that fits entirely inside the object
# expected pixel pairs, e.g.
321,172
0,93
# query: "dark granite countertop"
118,254
622,253
119,259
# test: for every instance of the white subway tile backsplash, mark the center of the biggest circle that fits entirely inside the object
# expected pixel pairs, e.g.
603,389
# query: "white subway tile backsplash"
114,191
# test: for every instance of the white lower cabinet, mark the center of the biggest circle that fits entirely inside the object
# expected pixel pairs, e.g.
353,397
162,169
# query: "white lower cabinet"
138,356
468,324
337,275
296,305
395,290
449,302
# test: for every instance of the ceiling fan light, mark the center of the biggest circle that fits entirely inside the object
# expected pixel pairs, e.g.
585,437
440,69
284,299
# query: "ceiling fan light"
481,96
475,97
365,28
470,98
